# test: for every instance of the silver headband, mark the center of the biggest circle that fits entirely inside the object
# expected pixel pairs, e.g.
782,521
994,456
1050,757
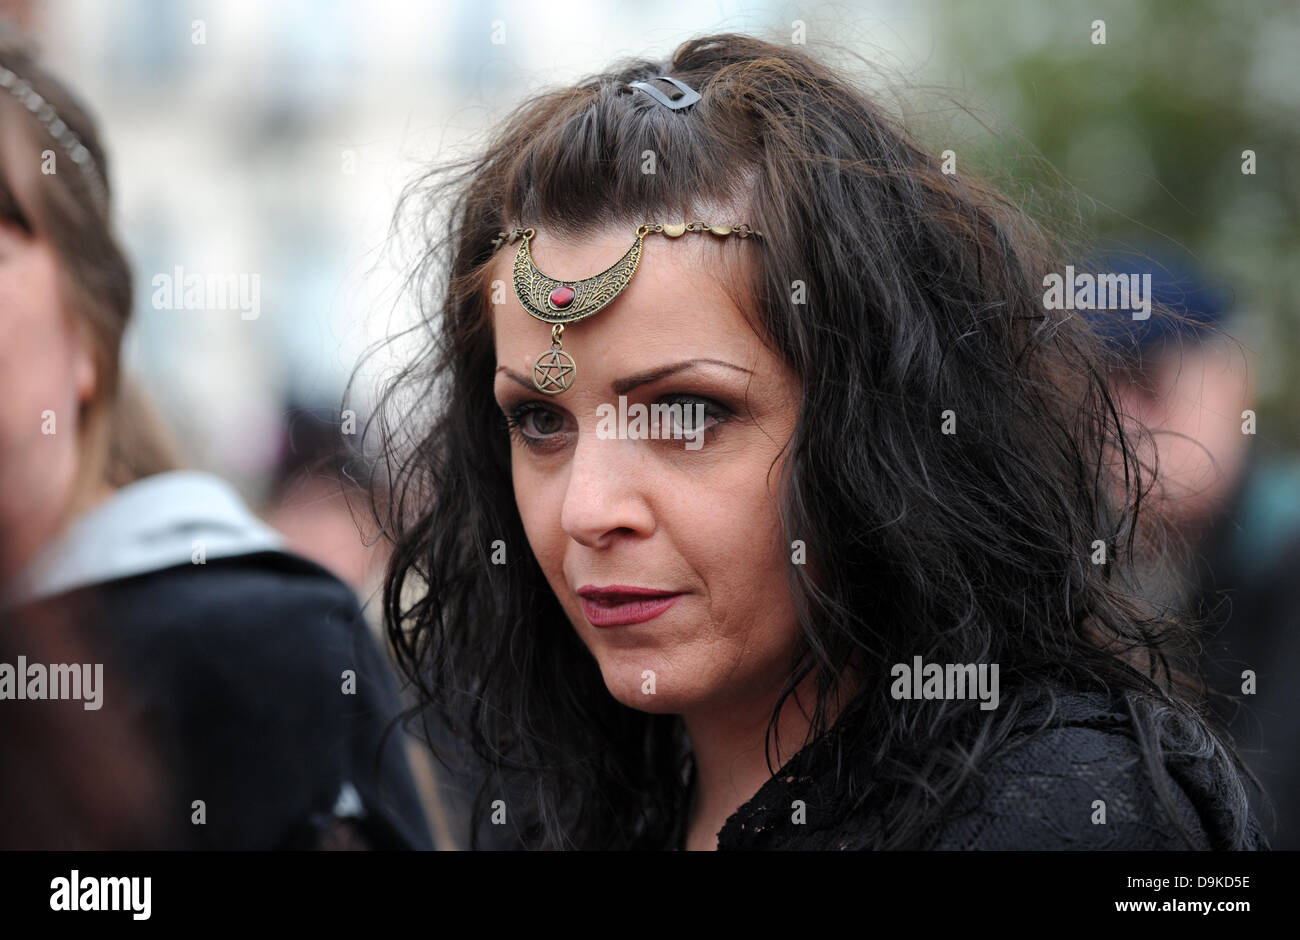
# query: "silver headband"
28,97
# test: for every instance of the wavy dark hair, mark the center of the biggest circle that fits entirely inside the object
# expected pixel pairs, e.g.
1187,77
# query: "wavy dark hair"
923,295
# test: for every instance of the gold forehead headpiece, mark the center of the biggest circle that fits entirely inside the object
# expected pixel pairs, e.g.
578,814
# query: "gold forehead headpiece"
560,302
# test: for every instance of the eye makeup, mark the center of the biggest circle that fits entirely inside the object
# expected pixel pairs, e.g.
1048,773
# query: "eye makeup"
542,428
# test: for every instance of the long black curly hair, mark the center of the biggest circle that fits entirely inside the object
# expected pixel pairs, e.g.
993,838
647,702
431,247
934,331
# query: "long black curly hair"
922,295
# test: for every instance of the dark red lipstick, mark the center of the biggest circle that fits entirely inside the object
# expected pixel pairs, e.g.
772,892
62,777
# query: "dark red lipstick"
619,604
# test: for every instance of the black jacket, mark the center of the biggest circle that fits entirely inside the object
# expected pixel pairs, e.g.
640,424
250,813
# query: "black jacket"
233,673
249,683
1040,794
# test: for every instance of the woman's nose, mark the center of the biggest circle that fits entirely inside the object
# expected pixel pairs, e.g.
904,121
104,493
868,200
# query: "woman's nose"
607,491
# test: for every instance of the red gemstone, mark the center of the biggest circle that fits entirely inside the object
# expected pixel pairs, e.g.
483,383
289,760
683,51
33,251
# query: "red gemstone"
562,296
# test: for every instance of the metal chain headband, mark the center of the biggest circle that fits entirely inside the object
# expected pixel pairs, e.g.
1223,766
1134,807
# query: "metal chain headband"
77,152
560,302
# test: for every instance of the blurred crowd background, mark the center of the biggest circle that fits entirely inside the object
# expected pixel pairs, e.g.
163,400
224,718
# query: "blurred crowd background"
273,139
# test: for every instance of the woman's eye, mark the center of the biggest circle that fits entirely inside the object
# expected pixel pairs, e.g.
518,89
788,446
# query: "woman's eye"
12,234
543,423
688,416
675,417
534,424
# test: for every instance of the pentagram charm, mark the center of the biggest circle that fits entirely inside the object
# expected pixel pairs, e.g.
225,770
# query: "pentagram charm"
554,370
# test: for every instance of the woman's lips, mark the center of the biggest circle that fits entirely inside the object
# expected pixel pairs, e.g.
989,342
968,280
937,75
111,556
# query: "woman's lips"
619,605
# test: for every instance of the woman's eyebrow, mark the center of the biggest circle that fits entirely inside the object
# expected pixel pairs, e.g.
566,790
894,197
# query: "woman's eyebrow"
625,385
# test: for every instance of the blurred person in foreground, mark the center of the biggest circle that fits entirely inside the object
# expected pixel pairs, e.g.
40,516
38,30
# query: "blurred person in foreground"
245,671
1232,500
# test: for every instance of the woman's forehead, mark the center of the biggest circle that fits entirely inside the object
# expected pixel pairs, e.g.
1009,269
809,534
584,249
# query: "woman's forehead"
676,299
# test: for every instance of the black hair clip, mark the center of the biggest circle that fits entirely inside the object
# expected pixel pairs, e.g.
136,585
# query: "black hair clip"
687,98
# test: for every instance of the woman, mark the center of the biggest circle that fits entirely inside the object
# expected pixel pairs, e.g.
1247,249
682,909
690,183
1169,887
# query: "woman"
243,674
848,594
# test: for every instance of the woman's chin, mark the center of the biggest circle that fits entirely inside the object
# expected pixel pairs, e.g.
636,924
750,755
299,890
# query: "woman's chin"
645,689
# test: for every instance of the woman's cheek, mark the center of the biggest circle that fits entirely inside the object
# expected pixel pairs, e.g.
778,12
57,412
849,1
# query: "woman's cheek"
37,350
540,514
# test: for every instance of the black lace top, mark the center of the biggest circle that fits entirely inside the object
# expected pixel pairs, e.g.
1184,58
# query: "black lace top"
1079,783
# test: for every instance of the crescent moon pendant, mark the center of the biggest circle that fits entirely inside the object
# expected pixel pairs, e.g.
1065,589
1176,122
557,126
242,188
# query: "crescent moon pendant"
556,301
